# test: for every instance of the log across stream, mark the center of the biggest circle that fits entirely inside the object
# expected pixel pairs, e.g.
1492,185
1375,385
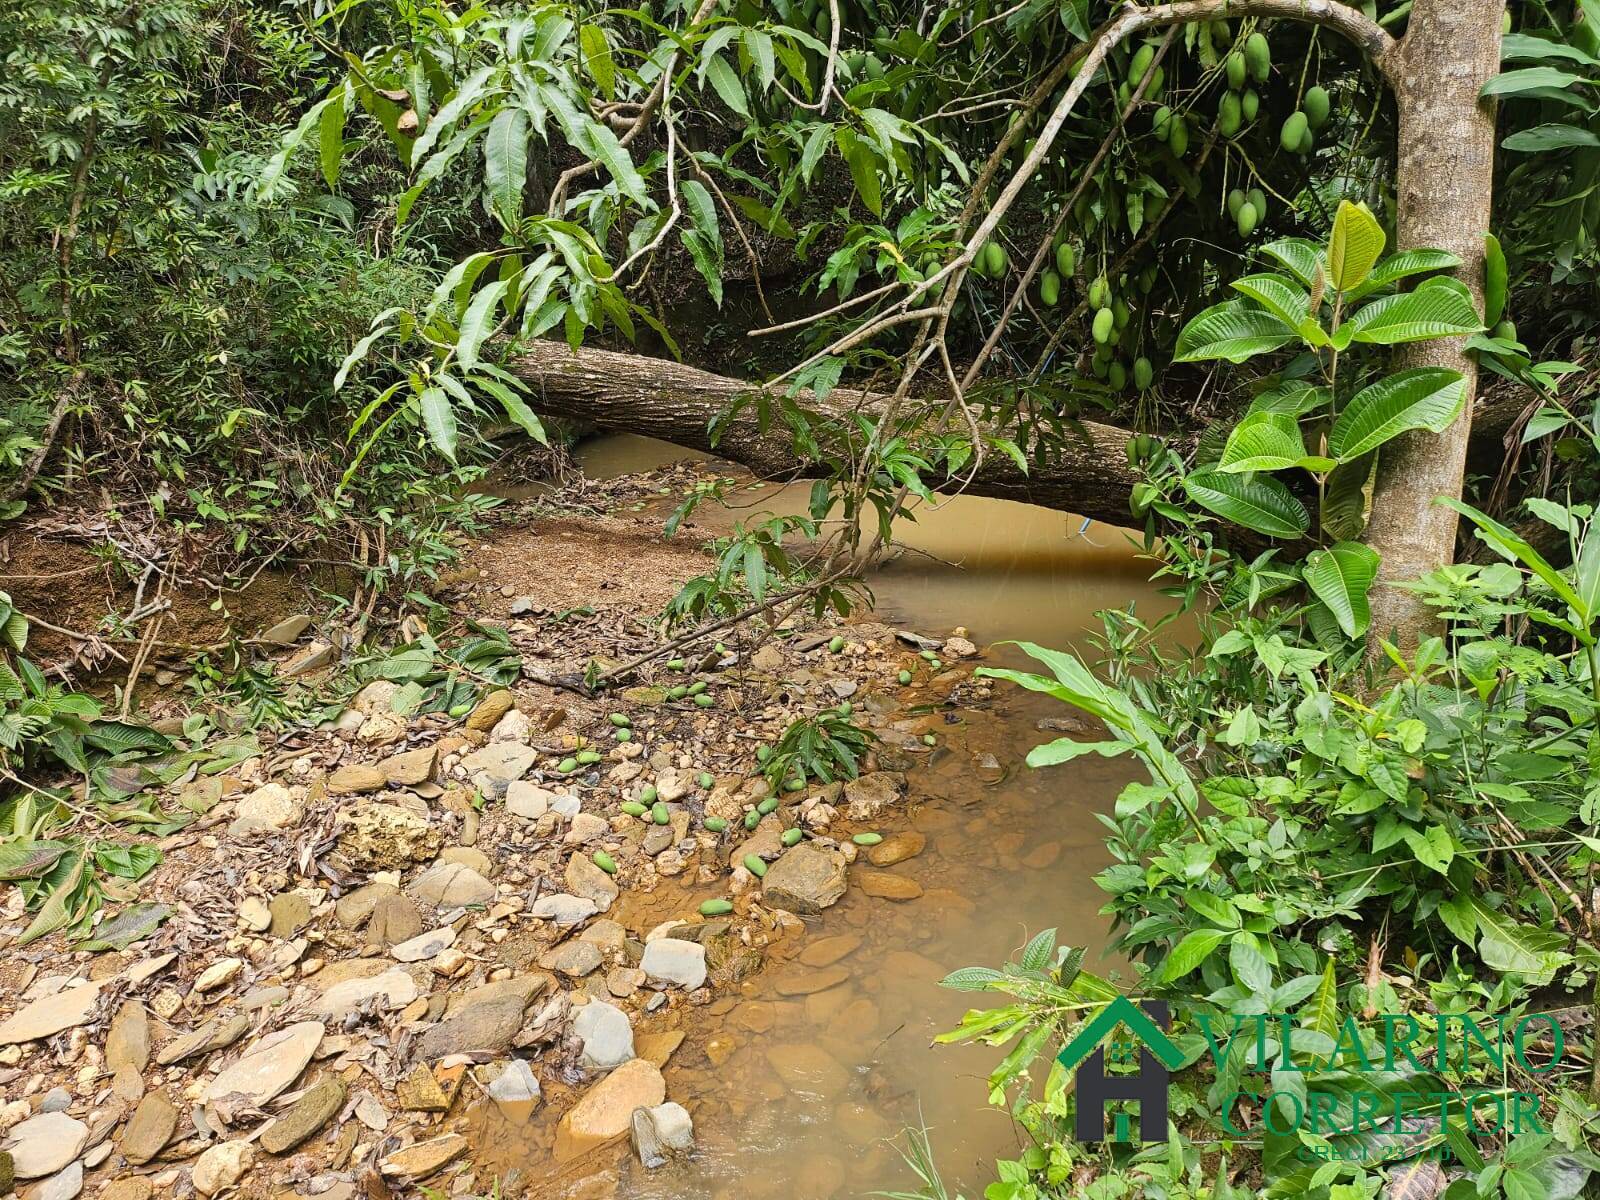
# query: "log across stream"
805,1095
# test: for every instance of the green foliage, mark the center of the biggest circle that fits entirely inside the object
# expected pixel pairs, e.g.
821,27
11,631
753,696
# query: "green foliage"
826,747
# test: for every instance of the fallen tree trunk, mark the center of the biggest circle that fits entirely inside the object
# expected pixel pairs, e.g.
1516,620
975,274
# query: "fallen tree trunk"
1085,470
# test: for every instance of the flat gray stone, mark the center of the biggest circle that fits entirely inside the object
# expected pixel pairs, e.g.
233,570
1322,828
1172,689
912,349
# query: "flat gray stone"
606,1035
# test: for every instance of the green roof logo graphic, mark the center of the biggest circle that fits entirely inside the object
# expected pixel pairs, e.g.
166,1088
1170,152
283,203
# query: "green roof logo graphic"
1121,1011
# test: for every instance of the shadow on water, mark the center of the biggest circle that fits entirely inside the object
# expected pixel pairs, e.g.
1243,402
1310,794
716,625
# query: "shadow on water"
805,1094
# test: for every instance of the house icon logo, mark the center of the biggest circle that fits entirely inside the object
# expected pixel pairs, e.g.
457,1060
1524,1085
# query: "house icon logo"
1146,1022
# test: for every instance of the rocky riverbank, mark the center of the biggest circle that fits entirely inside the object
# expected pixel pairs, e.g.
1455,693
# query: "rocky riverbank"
377,935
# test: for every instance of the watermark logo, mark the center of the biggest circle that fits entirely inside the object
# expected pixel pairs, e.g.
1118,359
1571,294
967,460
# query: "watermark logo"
1326,1096
1145,1024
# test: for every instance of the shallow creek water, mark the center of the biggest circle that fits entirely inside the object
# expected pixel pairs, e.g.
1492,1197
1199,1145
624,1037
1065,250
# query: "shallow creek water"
806,1094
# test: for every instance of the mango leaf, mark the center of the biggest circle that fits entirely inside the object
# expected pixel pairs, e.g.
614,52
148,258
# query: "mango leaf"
505,160
1528,79
1354,245
1438,308
1422,398
610,153
440,421
478,322
1341,576
1551,136
597,59
330,138
727,85
1232,330
1254,502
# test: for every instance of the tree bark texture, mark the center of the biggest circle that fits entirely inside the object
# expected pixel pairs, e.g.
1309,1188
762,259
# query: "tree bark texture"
1444,181
1085,470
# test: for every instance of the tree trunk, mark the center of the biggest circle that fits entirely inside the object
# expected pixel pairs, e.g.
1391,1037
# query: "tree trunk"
1443,181
1085,469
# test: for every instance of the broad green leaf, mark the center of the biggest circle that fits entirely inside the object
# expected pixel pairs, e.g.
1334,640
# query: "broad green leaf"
330,137
1196,946
597,59
60,907
266,184
440,421
864,170
727,85
132,924
1438,308
1432,847
1301,256
30,860
1294,398
505,161
1232,330
1321,1015
1260,503
1529,46
1277,295
478,322
515,407
1266,441
1551,136
1341,576
610,153
1403,265
1528,79
1495,277
1353,246
702,210
1422,398
468,94
1347,498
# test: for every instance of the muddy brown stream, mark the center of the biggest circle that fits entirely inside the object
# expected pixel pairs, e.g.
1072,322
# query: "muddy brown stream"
808,1096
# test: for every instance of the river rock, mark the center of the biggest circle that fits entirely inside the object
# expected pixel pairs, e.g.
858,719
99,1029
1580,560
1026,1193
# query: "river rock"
49,1015
286,632
515,1085
872,793
391,989
826,951
485,1028
411,768
65,1184
528,800
268,1066
606,1035
502,762
354,908
563,909
377,836
886,885
424,1158
222,1166
128,1043
959,647
451,885
605,1111
795,982
218,1033
149,1129
515,726
673,961
316,1106
586,827
586,880
576,958
896,848
290,913
272,805
42,1145
486,714
805,880
134,1187
807,1068
354,779
661,1133
395,919
425,945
